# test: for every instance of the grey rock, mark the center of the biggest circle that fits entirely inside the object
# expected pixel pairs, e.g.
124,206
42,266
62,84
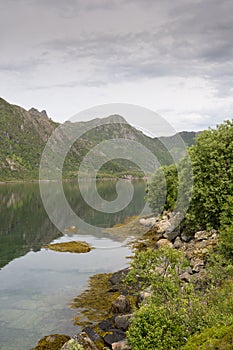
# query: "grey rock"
171,235
142,296
92,335
177,243
186,277
162,243
148,222
115,336
122,322
121,305
186,236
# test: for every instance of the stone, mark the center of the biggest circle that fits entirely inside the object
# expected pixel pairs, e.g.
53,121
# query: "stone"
120,345
72,344
105,325
142,296
84,340
121,305
171,235
162,243
186,277
186,236
97,340
203,235
122,322
148,222
115,336
117,277
177,243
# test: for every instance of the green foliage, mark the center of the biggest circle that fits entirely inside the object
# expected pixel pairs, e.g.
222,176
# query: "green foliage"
177,310
226,229
212,161
219,338
156,328
162,189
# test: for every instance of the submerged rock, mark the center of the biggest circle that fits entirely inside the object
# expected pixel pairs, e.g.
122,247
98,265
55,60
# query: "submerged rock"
71,247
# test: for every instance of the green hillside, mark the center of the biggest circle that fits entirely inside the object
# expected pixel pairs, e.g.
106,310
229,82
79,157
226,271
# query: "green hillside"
24,135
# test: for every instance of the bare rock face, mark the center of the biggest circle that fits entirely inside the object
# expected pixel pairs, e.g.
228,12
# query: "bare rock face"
36,113
121,305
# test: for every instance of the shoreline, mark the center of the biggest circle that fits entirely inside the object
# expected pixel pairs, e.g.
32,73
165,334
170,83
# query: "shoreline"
105,308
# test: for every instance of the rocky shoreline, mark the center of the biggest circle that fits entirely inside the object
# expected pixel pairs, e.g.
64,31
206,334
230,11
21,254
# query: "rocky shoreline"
109,330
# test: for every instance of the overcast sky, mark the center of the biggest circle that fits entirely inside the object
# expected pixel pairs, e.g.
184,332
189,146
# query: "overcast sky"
172,56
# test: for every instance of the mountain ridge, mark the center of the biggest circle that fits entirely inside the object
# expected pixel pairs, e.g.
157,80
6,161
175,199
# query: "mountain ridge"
24,135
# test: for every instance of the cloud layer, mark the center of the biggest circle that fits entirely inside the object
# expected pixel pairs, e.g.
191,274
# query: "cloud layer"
173,57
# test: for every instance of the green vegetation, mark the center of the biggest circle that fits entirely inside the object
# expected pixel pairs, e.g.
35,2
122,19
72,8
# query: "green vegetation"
176,310
214,338
24,135
197,315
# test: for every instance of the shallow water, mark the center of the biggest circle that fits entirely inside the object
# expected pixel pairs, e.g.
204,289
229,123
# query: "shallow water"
36,285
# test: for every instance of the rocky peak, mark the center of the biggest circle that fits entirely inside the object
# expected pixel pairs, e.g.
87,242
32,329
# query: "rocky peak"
34,112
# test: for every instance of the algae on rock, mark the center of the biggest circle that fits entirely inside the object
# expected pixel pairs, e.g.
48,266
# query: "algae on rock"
71,247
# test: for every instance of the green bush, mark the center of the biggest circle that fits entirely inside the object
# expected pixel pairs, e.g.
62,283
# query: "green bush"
216,338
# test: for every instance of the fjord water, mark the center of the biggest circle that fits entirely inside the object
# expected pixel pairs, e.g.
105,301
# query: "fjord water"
36,285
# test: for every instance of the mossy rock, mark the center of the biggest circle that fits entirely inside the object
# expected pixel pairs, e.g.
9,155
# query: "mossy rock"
52,342
71,247
215,338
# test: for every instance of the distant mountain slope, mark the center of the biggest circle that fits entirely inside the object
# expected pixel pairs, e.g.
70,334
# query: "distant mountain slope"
23,136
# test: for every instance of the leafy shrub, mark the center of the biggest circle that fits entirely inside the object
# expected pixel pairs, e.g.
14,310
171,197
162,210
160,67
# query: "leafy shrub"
219,338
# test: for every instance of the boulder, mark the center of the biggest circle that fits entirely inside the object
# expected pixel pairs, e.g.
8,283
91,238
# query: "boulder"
122,321
142,296
84,340
162,243
171,235
121,305
148,222
186,236
117,277
177,243
72,344
97,340
120,345
105,325
115,336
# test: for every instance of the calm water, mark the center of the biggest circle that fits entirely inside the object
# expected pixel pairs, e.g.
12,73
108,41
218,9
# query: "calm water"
36,285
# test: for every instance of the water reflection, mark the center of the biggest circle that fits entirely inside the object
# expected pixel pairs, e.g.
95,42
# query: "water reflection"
25,226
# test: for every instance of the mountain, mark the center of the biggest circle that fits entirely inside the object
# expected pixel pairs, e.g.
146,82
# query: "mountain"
24,134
